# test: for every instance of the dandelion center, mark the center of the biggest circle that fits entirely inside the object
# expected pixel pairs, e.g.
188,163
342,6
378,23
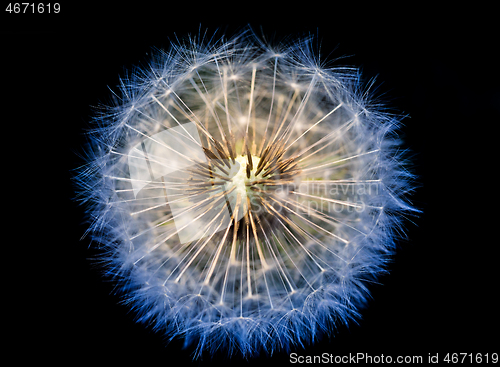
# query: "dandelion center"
249,178
240,180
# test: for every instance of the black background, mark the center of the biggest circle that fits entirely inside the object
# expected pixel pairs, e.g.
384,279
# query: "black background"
439,66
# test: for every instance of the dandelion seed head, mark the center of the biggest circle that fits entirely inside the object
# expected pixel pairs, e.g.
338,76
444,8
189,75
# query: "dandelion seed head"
245,197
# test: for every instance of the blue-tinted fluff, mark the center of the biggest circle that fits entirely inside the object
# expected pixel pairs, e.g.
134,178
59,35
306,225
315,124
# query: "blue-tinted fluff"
276,257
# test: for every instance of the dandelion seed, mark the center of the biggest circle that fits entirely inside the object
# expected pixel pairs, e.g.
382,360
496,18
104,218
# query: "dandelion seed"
244,194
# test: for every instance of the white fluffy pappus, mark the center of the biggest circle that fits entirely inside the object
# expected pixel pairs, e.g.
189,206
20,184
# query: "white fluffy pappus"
244,195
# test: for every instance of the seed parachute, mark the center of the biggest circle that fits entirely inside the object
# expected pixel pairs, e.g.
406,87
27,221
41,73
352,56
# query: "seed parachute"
244,194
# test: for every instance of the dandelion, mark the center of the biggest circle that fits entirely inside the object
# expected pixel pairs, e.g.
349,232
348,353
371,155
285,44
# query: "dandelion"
244,195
